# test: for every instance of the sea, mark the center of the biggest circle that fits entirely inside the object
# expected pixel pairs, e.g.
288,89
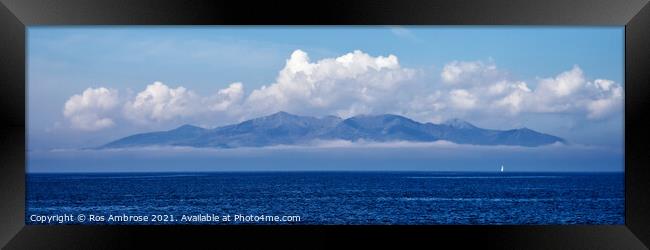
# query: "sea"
326,198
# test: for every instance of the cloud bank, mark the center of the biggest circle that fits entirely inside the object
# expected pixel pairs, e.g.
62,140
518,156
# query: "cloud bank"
351,84
333,155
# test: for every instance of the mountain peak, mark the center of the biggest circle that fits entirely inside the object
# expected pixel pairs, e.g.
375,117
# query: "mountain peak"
282,128
188,127
378,120
331,117
384,117
280,114
458,123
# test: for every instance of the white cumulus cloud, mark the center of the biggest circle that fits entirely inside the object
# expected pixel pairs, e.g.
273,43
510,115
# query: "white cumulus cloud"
564,84
226,98
347,85
608,100
473,72
91,109
158,102
357,83
462,99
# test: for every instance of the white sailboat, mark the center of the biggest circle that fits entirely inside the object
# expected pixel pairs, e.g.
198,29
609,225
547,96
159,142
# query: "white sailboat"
502,168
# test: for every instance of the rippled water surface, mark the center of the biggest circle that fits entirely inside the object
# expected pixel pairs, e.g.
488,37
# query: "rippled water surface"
338,197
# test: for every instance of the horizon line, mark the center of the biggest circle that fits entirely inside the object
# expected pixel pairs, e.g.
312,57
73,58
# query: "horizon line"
319,170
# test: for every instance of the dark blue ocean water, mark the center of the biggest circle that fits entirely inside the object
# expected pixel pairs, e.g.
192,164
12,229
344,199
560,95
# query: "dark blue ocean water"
335,197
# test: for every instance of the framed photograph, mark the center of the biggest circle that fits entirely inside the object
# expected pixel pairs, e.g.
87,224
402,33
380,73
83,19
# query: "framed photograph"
516,125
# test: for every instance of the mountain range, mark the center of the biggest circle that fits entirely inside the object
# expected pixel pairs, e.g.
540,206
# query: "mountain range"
283,128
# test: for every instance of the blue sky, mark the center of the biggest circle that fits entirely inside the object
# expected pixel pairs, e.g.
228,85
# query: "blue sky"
94,56
91,85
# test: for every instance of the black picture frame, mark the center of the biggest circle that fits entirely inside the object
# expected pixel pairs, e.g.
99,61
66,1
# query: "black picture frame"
16,15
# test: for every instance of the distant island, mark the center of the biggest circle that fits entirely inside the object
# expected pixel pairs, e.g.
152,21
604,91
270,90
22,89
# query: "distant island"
283,128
